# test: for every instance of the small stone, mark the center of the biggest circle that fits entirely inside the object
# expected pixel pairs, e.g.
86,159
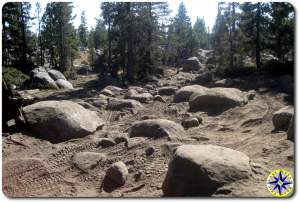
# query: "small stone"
87,160
149,151
168,90
121,139
138,176
106,142
227,82
189,123
141,97
146,117
251,94
159,98
117,173
199,119
107,92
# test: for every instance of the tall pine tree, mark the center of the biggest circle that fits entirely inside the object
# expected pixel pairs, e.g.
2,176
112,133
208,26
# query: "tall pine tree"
83,30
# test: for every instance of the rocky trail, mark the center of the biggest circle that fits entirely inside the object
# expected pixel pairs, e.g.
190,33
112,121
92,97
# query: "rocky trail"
140,127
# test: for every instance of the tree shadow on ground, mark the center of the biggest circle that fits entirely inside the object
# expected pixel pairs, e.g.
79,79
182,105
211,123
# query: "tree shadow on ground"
265,84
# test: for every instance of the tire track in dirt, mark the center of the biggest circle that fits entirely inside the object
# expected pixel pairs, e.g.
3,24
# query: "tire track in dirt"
29,177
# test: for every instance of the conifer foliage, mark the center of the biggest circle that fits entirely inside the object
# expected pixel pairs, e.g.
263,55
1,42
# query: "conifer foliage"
133,40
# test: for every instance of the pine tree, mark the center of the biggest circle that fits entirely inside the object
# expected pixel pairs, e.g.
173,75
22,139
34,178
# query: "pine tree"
200,33
59,35
97,39
149,21
253,24
134,37
100,35
107,13
83,30
50,35
232,32
281,29
182,26
220,37
38,11
15,35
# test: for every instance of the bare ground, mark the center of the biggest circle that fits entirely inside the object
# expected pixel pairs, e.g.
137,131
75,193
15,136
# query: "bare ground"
248,129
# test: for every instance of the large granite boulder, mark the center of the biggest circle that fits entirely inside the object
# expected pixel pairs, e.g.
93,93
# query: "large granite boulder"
192,63
156,128
55,74
199,170
64,84
123,104
59,121
48,79
217,100
184,93
41,79
204,78
281,118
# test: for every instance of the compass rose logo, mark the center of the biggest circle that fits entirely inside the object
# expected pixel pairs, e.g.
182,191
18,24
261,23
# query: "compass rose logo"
280,183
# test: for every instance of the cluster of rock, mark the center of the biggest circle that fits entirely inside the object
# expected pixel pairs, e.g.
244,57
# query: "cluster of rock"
45,78
195,170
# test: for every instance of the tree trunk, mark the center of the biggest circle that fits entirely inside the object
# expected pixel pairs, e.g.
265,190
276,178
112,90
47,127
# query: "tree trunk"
149,40
232,36
257,25
40,39
24,43
109,48
130,62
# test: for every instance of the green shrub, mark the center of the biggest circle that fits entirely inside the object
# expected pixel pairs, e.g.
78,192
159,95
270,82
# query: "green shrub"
14,77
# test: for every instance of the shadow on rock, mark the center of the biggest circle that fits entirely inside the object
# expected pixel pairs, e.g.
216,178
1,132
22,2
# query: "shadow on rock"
108,185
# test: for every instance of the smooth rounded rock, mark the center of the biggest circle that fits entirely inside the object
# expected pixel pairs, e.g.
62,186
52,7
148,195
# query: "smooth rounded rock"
217,100
87,160
184,93
157,128
281,118
115,177
64,84
59,121
199,170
